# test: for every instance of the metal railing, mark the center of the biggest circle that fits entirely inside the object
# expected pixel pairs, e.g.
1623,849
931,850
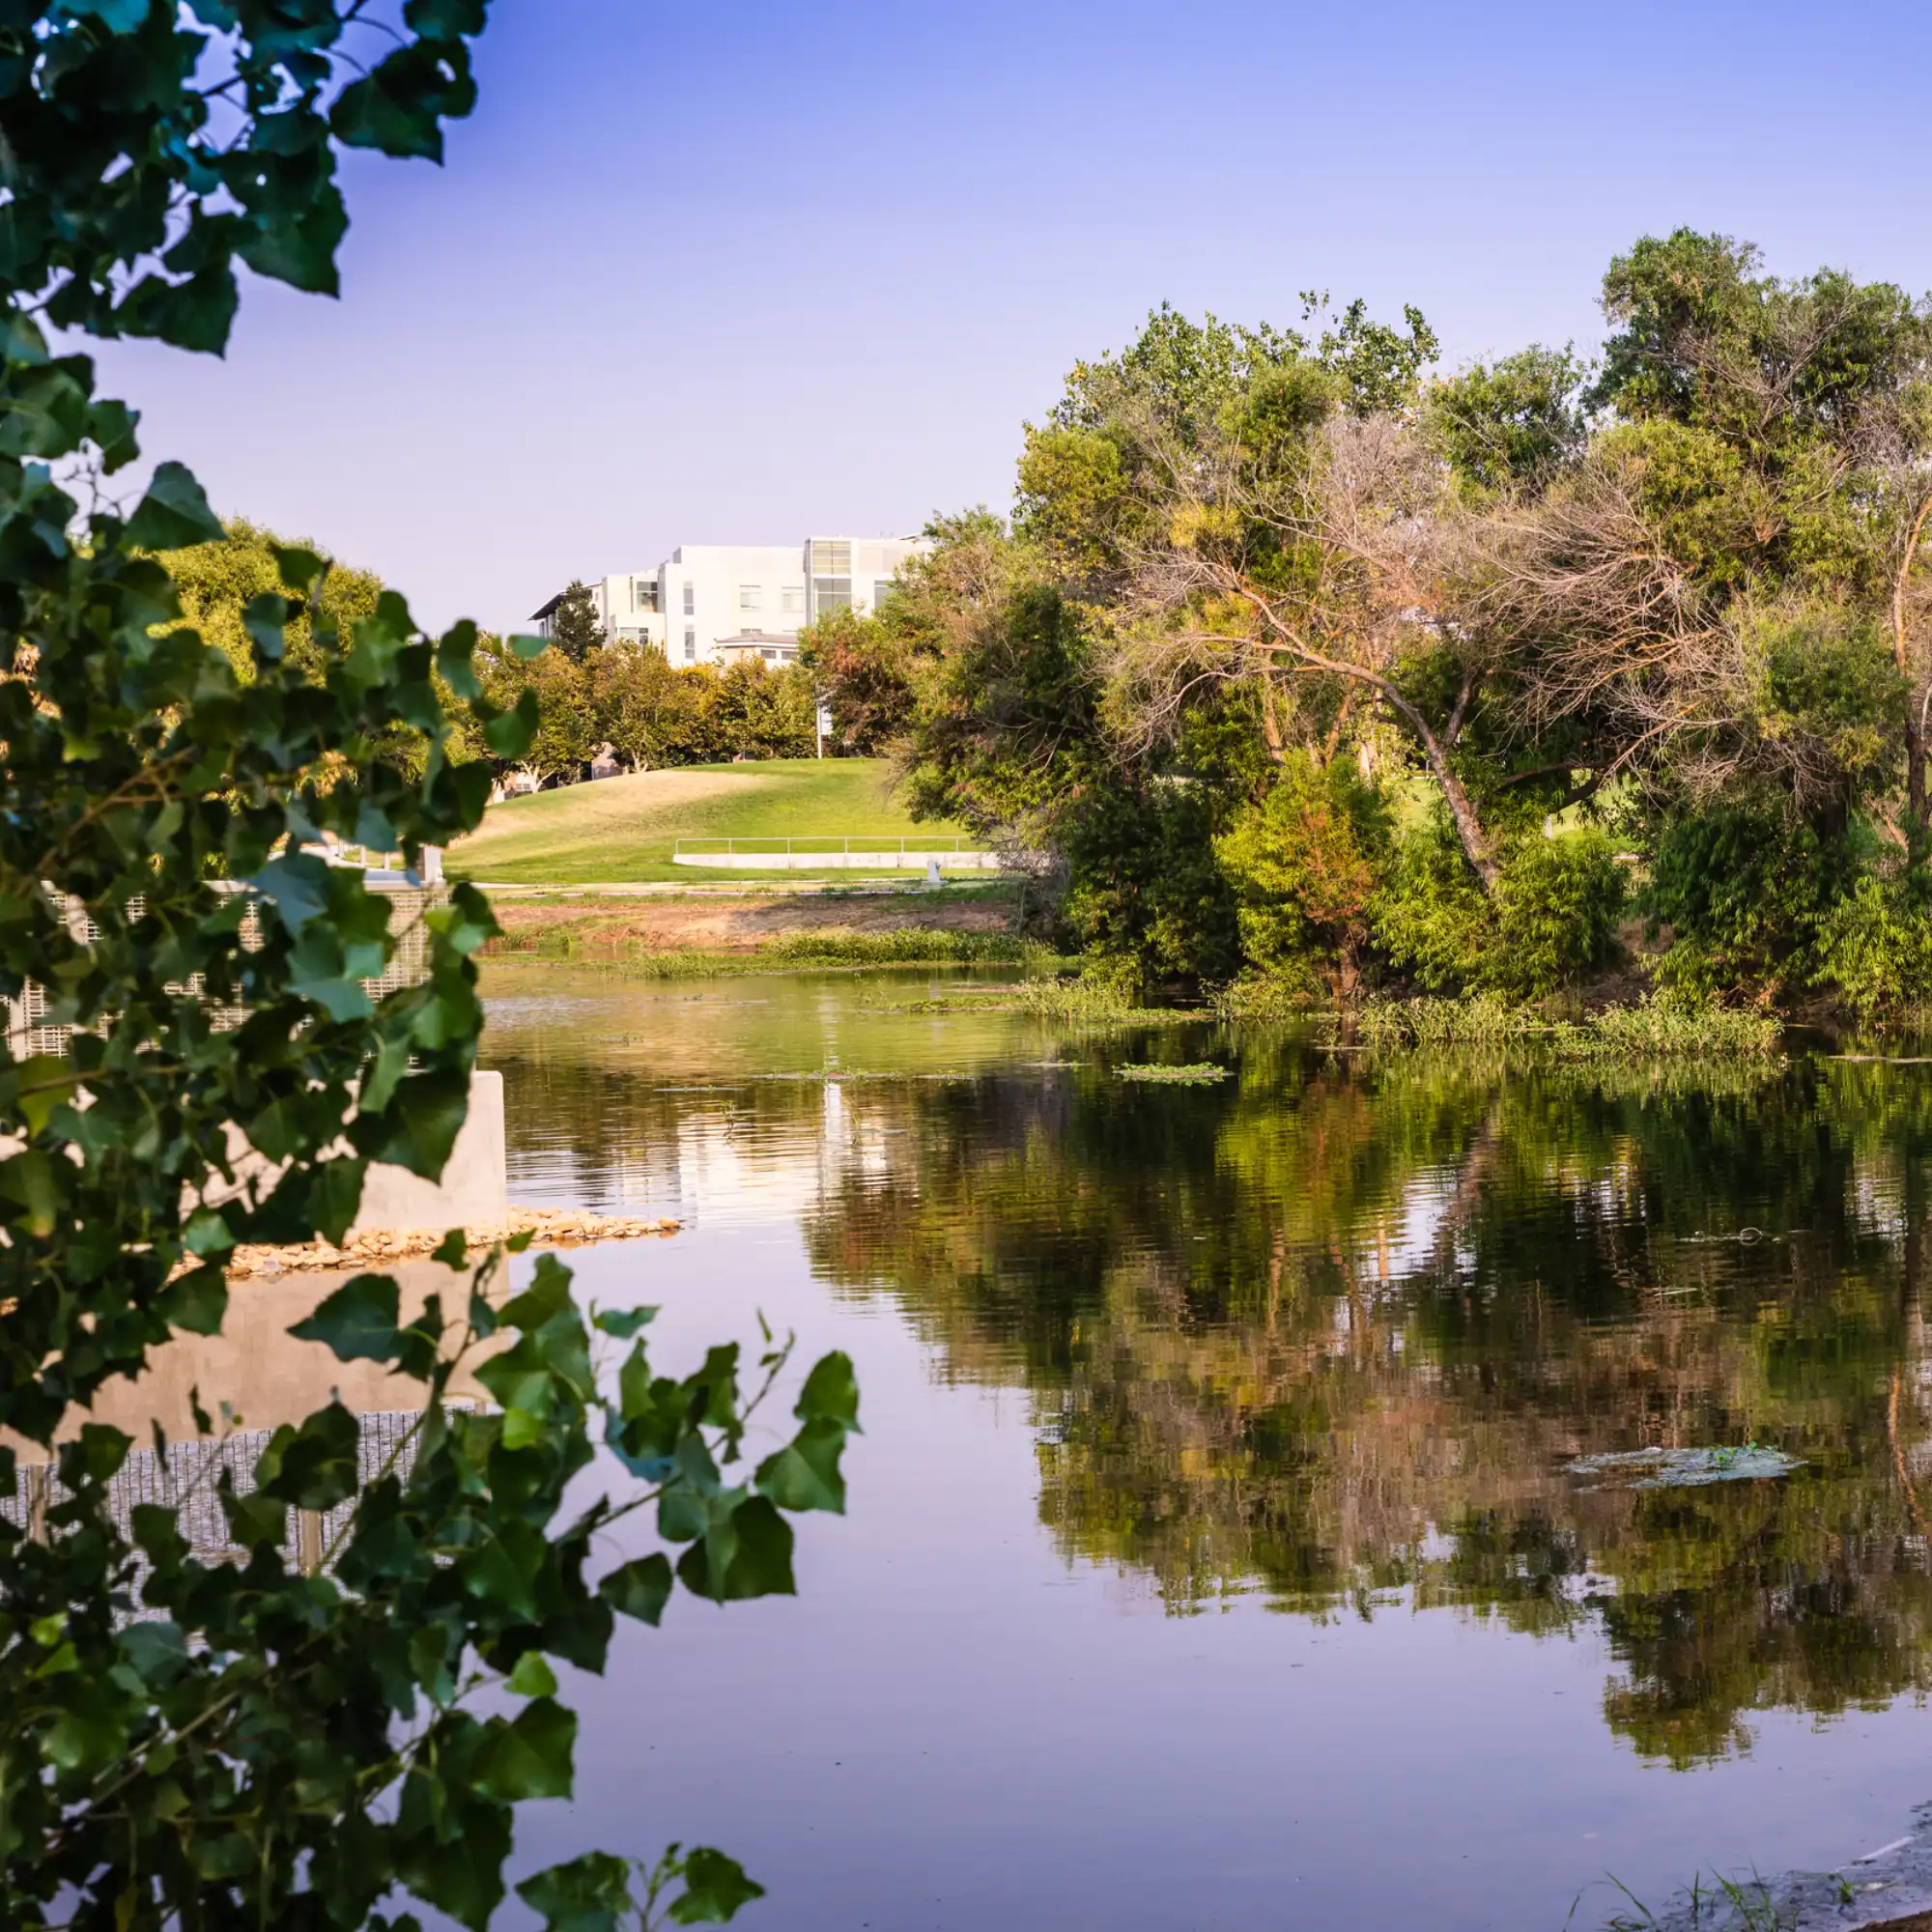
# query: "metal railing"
806,848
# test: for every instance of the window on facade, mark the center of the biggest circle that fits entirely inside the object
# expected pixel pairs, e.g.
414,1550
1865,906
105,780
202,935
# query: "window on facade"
643,593
831,593
690,600
689,644
830,558
791,600
750,597
880,590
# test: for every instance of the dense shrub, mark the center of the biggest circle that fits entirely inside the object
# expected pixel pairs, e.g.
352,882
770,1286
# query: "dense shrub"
1306,864
1431,920
1745,891
1557,911
1147,895
1875,946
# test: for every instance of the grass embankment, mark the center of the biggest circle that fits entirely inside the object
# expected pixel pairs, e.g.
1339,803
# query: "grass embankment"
623,830
693,939
1650,1031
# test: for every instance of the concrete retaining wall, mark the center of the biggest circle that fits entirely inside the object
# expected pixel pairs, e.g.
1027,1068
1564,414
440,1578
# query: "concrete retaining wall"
842,862
474,1191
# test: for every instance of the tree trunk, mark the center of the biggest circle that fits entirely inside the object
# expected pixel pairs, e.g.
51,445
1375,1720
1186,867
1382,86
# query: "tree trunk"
1270,724
1914,769
1915,722
1468,827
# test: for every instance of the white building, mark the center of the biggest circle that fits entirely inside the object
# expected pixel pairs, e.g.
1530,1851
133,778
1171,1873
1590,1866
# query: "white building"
714,604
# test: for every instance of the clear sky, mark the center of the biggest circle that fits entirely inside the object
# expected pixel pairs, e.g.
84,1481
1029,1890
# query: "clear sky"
741,273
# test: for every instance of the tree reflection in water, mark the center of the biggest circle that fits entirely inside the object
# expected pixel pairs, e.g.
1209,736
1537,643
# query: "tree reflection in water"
1332,1330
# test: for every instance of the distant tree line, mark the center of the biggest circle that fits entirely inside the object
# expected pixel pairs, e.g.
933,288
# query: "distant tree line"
590,693
648,712
1299,660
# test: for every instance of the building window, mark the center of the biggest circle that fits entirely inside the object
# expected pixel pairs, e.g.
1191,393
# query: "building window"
690,600
880,591
830,558
750,597
689,642
831,593
791,600
643,593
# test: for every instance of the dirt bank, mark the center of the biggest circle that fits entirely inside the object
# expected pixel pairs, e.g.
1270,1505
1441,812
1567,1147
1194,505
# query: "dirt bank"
717,925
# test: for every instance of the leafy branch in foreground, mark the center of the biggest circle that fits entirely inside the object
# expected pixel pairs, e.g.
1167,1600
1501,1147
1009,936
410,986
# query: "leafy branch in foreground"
266,1734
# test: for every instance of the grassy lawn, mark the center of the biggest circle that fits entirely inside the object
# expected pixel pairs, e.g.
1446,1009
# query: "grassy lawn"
622,830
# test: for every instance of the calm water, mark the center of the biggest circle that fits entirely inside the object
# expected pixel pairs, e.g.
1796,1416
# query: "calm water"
1213,1559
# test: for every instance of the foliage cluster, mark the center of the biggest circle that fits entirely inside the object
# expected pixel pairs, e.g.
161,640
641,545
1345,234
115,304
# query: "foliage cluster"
246,1738
649,711
1303,662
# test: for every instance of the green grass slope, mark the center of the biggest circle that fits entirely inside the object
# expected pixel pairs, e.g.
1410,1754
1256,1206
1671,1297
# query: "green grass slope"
622,830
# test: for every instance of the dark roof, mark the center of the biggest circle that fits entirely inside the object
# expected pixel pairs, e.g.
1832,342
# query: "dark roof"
544,611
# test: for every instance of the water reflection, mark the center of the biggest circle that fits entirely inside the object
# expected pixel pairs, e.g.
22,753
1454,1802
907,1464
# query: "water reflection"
1330,1333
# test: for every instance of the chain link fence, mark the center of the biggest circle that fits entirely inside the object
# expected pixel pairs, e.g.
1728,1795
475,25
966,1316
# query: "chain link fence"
186,1477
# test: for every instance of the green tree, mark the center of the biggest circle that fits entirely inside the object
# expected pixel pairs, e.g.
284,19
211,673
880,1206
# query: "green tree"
1511,423
566,734
247,1742
216,583
863,666
1308,862
574,630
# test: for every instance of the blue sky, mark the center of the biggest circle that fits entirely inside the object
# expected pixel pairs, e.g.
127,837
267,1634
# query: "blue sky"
746,272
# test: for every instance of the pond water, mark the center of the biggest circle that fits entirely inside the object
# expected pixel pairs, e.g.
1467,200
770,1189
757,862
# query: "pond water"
1215,1555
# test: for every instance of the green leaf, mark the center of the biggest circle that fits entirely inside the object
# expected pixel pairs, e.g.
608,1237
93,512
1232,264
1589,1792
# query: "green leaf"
174,514
297,885
29,1179
522,1429
831,1391
640,1588
46,1082
429,1109
805,1474
453,1250
530,1756
334,1194
715,1887
444,19
621,1323
588,1895
315,1467
509,733
749,1557
358,1322
110,428
533,1677
455,659
96,1457
526,646
296,567
196,1301
157,1649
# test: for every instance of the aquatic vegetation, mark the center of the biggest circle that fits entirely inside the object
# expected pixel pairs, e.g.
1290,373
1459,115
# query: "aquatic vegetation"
1723,1905
1198,1073
1654,1029
1264,999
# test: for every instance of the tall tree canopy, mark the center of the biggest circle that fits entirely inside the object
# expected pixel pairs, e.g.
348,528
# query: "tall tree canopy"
1580,627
